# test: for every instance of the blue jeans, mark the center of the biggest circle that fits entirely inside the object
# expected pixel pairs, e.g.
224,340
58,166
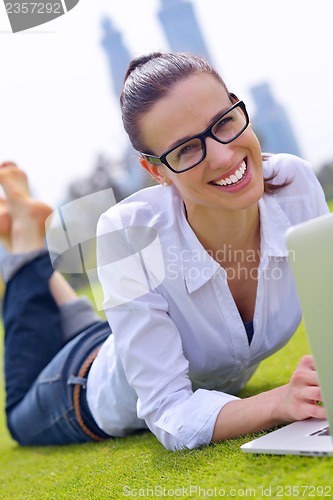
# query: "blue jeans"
40,371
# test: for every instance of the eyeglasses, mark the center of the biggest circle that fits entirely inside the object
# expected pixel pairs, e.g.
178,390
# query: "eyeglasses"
188,154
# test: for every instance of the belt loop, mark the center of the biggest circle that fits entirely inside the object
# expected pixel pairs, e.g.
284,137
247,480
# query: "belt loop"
73,380
77,391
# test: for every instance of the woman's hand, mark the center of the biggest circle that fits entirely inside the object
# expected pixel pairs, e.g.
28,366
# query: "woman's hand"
302,394
297,400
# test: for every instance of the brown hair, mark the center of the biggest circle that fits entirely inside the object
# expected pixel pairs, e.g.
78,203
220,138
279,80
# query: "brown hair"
149,78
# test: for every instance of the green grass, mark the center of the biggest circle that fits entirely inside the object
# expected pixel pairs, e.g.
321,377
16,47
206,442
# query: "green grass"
139,466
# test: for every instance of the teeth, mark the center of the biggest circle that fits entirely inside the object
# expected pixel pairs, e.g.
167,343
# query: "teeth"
237,176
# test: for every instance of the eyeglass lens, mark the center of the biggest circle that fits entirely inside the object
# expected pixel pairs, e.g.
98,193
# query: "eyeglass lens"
192,151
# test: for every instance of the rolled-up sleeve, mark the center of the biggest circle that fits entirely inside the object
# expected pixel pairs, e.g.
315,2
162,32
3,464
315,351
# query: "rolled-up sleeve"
191,423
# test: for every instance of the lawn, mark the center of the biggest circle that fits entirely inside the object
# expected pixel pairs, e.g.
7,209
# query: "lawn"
139,466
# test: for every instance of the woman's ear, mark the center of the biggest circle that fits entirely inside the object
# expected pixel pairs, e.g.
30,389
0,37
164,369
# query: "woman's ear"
153,170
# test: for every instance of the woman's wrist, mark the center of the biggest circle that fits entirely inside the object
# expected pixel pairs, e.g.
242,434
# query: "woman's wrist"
279,414
256,413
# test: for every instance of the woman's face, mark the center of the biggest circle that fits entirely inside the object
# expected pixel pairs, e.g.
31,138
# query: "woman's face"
189,108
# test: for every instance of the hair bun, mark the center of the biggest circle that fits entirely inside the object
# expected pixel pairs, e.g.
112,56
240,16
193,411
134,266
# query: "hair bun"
141,61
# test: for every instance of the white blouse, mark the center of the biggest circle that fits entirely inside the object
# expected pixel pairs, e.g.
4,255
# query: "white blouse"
179,349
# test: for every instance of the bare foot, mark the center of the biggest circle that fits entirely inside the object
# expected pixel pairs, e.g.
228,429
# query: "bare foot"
13,180
27,214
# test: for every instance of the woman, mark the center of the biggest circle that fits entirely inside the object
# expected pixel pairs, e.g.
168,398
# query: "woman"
195,273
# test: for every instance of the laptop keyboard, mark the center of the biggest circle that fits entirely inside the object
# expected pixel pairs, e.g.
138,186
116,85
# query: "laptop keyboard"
325,431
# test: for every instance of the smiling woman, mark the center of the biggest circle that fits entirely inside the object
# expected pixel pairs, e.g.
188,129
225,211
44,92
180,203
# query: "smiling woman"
209,322
197,284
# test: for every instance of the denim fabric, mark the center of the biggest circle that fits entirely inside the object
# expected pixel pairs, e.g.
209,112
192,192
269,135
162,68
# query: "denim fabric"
39,370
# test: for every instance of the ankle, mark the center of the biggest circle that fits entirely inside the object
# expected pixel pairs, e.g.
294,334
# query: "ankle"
28,226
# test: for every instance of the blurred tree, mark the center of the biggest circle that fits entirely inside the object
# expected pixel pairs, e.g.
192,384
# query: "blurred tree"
103,176
325,177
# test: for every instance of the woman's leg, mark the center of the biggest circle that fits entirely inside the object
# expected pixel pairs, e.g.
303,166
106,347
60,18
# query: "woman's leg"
76,312
31,315
32,326
29,310
46,415
23,233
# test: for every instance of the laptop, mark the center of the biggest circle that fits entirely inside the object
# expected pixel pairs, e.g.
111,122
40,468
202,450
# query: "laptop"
310,247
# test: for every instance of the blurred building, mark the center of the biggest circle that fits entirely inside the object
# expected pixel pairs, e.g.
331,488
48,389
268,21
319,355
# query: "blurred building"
271,123
118,57
181,27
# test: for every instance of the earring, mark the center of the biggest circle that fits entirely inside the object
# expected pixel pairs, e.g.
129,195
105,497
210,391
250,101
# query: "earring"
165,184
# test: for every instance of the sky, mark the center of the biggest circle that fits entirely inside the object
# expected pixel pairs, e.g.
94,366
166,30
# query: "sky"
58,111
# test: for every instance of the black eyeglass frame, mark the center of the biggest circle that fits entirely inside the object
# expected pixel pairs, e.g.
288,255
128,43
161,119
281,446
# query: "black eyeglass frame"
202,136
